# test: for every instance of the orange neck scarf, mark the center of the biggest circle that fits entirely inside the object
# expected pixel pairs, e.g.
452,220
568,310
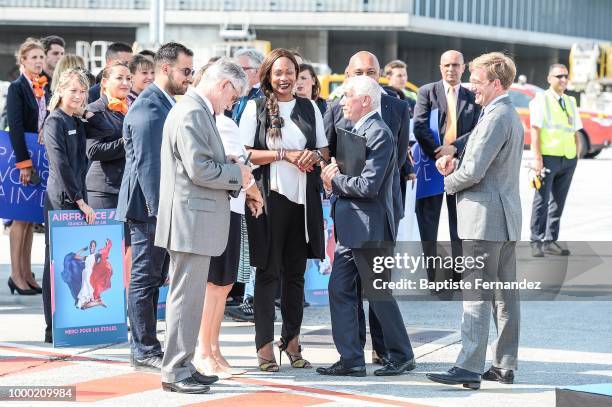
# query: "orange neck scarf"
38,84
116,104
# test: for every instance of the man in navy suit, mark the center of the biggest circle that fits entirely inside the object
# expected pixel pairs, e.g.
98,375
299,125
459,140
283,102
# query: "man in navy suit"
364,213
396,115
117,51
139,197
454,129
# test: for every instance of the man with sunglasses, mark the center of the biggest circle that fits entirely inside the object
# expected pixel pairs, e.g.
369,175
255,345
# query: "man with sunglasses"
555,142
139,198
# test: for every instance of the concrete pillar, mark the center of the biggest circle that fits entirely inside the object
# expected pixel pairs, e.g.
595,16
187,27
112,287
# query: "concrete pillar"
323,47
390,48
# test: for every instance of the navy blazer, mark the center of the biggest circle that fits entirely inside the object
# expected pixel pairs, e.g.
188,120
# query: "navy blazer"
396,115
64,138
364,210
22,115
94,93
432,96
142,131
104,148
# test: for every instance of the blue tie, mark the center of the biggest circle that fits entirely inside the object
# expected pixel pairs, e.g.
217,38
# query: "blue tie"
239,108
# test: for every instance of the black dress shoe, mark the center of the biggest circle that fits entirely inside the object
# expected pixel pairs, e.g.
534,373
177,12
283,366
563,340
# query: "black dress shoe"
536,249
203,379
21,291
338,370
456,376
555,249
150,364
393,368
496,374
188,385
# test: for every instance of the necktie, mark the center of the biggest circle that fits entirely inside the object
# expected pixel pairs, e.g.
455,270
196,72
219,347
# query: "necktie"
451,118
239,108
562,103
481,115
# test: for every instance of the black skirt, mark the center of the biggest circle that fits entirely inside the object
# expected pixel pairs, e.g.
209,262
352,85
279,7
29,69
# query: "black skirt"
224,268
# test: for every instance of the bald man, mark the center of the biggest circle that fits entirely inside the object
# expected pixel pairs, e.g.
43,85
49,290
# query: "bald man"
396,115
454,129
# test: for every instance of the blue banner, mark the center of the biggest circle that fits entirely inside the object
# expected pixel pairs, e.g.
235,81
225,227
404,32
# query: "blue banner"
17,201
88,296
317,271
429,181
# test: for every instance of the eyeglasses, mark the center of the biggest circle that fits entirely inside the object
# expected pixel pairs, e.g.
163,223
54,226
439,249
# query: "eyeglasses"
186,71
237,95
562,76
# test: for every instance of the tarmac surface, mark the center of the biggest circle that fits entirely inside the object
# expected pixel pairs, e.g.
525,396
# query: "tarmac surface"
562,342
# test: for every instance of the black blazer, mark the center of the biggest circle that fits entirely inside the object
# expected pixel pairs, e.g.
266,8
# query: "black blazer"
64,138
432,96
22,115
104,148
303,115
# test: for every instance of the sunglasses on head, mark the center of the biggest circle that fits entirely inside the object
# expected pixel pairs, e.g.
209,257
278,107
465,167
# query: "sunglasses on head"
562,76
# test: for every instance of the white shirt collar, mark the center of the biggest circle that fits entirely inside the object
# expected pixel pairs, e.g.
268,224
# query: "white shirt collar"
455,88
170,98
208,104
361,121
490,105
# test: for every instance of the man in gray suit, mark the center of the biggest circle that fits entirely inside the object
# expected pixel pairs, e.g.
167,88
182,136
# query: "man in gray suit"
486,181
193,216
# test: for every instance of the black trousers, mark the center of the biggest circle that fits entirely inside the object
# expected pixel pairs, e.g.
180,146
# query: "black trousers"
549,200
350,267
288,256
428,217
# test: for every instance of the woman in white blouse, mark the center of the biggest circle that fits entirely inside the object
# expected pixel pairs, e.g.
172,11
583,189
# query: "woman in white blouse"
286,138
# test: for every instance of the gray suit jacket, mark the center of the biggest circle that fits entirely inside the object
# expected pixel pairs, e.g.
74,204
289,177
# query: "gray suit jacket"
487,178
364,211
196,178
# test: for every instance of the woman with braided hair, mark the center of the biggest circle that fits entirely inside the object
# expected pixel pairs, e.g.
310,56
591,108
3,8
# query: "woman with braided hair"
286,138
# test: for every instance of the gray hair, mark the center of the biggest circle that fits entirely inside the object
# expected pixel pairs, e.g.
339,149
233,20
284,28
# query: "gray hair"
364,85
225,68
255,57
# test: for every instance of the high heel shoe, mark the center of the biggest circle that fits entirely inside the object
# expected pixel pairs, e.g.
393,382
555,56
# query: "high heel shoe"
266,365
296,360
13,287
35,288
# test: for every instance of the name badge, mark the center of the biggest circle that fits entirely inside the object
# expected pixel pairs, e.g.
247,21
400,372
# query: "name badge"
71,132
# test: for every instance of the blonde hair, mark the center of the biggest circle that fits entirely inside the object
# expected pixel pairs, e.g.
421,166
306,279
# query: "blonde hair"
28,45
68,61
497,66
64,81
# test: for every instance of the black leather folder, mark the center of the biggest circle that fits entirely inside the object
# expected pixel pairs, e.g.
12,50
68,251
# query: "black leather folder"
350,152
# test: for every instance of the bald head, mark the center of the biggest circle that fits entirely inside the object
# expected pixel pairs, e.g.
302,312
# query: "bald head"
364,63
452,67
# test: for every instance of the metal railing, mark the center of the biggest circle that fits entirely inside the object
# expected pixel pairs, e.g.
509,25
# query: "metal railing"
356,6
584,18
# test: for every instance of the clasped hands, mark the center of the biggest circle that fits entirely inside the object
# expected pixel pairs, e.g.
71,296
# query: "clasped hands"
305,160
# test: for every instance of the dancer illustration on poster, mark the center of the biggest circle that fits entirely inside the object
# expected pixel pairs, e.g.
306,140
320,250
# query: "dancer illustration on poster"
95,275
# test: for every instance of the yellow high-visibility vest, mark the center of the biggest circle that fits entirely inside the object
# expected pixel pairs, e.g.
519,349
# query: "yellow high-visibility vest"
557,134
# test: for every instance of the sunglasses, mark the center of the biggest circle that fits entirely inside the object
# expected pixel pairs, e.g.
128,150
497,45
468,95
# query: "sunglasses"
563,76
186,71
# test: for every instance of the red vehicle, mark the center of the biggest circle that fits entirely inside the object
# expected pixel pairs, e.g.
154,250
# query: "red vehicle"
597,127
